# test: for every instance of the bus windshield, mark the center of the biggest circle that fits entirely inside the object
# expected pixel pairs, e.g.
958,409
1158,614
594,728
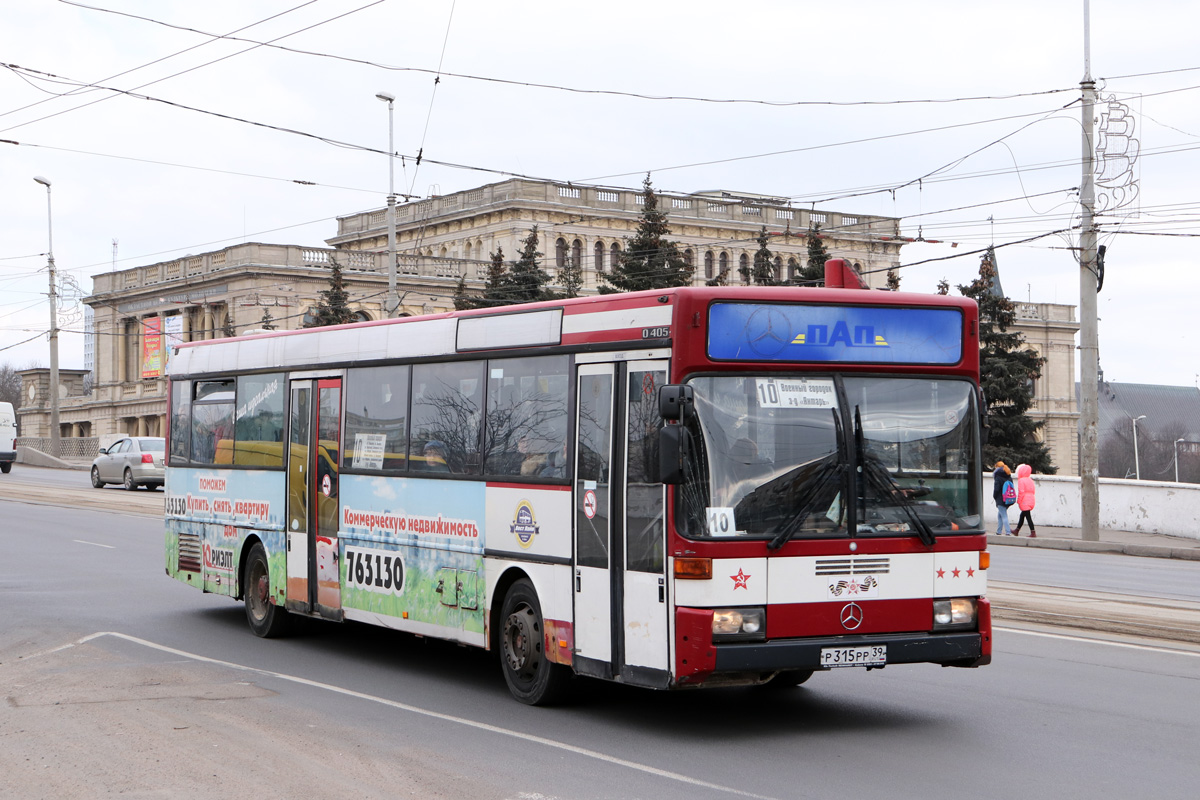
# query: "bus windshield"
777,457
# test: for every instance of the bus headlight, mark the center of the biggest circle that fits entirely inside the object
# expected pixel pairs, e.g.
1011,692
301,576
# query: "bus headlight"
739,623
955,612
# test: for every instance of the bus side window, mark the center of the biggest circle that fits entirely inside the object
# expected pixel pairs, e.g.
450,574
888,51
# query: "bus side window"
447,407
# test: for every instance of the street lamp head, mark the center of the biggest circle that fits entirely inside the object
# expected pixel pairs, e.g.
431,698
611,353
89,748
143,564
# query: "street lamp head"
41,180
1143,416
386,97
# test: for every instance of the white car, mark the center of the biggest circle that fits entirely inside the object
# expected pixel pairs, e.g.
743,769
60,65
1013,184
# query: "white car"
8,435
132,462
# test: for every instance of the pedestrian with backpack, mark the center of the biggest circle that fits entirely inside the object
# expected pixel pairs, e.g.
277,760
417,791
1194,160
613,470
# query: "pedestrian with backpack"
1005,494
1026,499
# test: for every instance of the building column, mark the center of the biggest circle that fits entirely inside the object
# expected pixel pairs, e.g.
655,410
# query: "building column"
208,322
122,350
141,427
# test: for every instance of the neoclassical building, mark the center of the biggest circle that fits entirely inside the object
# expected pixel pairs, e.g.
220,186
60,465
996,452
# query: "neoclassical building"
139,312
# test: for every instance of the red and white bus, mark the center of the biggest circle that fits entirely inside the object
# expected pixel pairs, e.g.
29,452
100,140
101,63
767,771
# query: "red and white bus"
693,486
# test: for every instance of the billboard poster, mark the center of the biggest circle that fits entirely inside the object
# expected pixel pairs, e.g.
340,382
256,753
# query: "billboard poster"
172,333
152,362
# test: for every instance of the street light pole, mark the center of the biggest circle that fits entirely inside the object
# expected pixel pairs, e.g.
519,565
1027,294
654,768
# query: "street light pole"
1137,468
54,432
393,303
1177,441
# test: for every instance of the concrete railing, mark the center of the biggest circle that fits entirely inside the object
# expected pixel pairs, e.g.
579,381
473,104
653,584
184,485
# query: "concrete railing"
1145,506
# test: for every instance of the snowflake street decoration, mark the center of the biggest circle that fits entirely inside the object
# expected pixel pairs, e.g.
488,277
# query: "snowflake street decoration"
1116,153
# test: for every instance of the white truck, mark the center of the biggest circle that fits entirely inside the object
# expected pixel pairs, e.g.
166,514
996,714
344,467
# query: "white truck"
8,437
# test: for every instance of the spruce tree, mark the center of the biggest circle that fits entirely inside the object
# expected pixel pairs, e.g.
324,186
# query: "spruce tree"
943,287
570,277
266,323
893,280
462,299
813,273
495,285
763,271
1007,370
649,260
526,279
333,307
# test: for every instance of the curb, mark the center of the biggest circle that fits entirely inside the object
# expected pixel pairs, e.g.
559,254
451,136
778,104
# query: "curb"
1170,620
1078,545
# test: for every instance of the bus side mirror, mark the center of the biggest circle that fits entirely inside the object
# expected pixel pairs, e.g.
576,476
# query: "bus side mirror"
672,451
675,402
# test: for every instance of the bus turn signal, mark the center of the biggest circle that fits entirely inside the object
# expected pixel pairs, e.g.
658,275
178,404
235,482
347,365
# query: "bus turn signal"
699,569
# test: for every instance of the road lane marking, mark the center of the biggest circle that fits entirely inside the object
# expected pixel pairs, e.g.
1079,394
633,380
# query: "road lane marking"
94,544
1128,645
482,726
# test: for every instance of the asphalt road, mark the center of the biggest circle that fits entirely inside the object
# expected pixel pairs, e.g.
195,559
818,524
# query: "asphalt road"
180,700
1169,579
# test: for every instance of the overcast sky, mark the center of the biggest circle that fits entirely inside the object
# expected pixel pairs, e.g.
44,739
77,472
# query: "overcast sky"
831,117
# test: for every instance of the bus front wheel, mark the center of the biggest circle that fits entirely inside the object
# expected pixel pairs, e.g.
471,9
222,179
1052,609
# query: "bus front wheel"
266,619
531,677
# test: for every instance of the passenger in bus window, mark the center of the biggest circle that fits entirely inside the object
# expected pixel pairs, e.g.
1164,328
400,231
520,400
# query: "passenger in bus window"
435,457
556,464
532,462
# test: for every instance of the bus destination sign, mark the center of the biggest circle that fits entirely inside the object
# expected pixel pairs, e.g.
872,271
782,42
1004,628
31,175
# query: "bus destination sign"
834,334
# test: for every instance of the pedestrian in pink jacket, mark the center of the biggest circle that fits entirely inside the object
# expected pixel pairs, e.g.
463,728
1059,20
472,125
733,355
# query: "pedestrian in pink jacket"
1026,499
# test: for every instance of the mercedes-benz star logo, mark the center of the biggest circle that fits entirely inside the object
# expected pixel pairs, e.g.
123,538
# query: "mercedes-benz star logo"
852,616
768,331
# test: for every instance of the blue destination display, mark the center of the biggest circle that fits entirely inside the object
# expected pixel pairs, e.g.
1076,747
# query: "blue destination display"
834,334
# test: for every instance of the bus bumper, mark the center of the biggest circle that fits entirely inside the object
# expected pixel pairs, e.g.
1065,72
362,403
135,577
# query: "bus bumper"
699,660
951,649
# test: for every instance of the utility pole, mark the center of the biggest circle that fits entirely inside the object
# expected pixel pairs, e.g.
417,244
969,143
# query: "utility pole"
55,448
1089,348
393,302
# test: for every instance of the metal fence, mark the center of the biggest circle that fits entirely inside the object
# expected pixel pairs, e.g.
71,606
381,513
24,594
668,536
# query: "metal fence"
83,448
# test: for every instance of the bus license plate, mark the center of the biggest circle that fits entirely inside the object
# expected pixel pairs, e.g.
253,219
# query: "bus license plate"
873,656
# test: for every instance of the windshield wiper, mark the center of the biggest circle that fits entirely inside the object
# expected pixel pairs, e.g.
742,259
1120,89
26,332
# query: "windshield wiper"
885,485
832,468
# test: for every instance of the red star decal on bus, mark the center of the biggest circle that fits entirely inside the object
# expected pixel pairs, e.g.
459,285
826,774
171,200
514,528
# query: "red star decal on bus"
740,580
941,573
955,572
970,572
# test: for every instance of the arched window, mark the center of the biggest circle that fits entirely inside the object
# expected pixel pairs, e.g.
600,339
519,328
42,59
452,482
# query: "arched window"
708,264
577,254
467,251
744,267
599,256
689,257
560,253
778,269
362,316
793,268
723,262
615,253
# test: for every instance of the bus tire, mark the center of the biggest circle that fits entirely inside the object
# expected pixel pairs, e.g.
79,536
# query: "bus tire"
531,677
266,619
6,467
789,679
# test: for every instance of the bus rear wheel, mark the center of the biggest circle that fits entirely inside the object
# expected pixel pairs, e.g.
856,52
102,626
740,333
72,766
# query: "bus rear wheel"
266,619
531,677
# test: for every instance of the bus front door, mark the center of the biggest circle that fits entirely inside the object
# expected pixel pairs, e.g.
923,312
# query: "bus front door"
621,609
314,445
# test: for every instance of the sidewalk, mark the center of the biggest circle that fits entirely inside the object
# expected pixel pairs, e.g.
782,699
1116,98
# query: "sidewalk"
1130,543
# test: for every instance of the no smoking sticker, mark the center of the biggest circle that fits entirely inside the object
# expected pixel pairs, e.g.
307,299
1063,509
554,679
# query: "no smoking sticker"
589,504
326,486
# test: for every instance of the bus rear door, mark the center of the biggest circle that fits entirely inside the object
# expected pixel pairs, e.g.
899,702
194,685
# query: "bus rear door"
314,445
